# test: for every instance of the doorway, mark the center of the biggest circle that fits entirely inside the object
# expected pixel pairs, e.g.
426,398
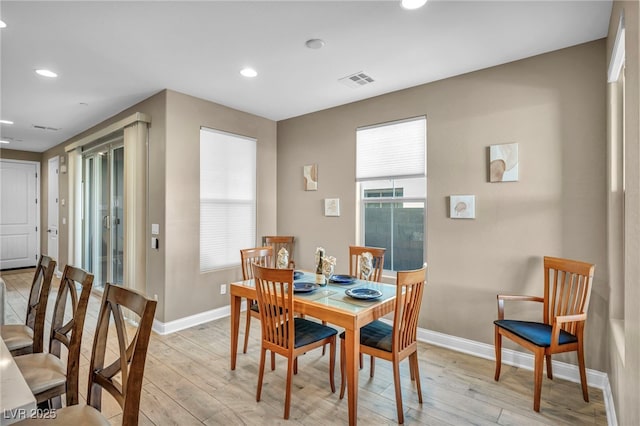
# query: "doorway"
103,213
19,214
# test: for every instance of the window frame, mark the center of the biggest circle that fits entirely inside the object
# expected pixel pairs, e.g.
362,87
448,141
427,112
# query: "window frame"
230,260
396,182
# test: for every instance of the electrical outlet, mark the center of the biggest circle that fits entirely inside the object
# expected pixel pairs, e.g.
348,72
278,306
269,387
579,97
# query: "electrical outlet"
223,289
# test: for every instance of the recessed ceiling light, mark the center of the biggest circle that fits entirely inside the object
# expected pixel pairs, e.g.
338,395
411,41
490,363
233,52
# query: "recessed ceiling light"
315,43
413,4
3,141
46,73
2,24
6,122
248,72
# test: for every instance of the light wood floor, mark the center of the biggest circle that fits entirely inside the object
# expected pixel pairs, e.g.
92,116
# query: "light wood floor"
188,382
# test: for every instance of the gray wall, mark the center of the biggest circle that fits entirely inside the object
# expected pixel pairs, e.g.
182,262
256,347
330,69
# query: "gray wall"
553,105
173,273
187,290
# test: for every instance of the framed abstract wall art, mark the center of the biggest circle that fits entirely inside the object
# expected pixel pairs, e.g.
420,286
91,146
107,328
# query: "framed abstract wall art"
503,163
462,206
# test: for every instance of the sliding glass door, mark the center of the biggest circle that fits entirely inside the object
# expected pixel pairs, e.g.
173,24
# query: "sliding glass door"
103,224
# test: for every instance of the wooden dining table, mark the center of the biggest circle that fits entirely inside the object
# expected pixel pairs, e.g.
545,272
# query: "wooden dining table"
331,304
16,399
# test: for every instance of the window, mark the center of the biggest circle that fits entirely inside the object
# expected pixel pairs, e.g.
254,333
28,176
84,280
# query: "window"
392,186
227,198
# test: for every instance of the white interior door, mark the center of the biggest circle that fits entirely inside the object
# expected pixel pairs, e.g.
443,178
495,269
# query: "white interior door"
52,210
18,214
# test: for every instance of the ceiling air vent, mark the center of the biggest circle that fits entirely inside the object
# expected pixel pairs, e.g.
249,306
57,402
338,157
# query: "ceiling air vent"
47,128
358,79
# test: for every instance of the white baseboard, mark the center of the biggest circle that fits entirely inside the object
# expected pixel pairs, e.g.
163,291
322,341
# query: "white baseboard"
562,370
518,359
612,419
193,320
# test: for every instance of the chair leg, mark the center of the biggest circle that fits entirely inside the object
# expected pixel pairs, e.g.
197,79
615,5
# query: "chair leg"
273,361
415,369
497,342
55,403
263,353
332,364
549,366
246,329
324,347
287,398
583,373
295,366
343,362
537,375
412,373
372,365
361,361
396,382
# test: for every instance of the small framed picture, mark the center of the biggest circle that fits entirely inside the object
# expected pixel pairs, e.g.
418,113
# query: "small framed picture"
310,176
332,206
503,163
462,206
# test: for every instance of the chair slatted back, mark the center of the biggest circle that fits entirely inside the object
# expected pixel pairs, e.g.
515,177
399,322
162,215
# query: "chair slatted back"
262,256
67,329
409,289
123,377
567,289
355,252
274,288
278,242
38,298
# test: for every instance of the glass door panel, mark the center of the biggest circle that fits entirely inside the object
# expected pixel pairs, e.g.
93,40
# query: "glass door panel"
103,227
117,213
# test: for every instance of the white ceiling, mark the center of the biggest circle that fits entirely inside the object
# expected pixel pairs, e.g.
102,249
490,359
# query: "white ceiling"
111,55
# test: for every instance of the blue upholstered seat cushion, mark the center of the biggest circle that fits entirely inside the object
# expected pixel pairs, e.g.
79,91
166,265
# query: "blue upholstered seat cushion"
376,334
310,331
535,332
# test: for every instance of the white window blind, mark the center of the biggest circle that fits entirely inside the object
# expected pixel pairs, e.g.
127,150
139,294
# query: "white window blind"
392,150
227,198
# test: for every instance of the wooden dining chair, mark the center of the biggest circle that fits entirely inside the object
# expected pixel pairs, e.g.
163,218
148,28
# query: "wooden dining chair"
278,242
398,341
355,253
29,337
284,334
567,288
262,256
46,374
122,378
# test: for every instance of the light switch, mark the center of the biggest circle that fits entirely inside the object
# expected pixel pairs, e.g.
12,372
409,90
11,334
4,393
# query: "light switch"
155,229
64,220
62,201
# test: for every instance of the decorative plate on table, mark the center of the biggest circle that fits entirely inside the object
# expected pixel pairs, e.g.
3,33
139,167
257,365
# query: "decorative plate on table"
342,279
297,275
304,287
363,293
